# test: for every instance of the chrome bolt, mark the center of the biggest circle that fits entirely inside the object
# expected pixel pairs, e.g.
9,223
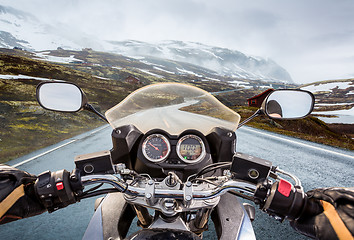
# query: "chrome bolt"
169,204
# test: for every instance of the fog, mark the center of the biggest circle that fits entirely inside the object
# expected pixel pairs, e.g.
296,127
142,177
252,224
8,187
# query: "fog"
312,40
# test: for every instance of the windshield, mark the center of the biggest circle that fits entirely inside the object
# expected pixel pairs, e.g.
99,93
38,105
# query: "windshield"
172,107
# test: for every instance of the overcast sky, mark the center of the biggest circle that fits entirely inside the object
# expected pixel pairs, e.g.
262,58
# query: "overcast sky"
312,39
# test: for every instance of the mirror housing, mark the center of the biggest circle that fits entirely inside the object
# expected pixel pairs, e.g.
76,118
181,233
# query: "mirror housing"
288,104
60,96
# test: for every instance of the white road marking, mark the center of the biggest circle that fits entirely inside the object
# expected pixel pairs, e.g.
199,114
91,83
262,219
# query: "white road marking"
298,143
56,148
100,129
40,155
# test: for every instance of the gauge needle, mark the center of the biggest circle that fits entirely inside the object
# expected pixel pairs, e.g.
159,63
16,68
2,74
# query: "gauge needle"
153,146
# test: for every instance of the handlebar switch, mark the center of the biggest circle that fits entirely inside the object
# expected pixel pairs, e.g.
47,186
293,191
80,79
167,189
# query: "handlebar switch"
54,190
45,188
281,200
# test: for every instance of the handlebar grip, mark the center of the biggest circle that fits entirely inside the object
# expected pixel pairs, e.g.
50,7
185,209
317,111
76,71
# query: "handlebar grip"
283,200
311,208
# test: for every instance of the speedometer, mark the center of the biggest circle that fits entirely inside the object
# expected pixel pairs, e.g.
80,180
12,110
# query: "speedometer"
156,147
190,148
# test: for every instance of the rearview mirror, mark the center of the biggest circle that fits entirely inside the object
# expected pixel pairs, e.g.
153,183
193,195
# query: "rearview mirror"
60,96
288,104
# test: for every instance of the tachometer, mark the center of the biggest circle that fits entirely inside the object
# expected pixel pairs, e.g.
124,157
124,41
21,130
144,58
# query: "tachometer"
190,148
156,147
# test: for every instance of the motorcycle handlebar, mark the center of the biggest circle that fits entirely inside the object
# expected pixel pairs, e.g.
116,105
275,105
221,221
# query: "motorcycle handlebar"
187,193
281,199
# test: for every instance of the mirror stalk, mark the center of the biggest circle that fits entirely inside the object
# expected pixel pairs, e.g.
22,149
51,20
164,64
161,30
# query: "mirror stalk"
90,108
259,112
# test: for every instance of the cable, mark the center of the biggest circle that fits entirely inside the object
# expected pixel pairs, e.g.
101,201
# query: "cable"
98,192
206,180
212,167
207,167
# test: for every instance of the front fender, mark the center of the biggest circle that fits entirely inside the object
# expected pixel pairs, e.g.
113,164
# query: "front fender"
111,219
230,219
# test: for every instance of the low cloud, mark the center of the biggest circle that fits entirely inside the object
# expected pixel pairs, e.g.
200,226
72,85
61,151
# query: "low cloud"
311,39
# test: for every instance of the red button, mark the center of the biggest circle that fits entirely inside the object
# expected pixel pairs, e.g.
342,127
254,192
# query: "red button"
284,187
60,186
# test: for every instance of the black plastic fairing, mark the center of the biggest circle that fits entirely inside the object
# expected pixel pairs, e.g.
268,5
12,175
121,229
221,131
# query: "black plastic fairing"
222,144
124,141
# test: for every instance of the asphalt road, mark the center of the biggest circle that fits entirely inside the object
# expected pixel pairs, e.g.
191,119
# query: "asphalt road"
316,165
173,120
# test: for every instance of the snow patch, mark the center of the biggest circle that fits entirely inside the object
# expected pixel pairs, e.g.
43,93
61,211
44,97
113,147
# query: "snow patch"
240,84
136,57
16,77
341,116
163,70
46,57
327,87
184,71
119,68
213,79
212,54
331,104
151,64
102,78
152,74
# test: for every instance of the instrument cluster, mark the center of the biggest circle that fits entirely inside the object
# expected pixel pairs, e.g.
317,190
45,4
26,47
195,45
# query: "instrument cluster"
160,147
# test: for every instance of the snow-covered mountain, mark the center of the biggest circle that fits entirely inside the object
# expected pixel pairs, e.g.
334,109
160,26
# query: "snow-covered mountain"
221,60
23,30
